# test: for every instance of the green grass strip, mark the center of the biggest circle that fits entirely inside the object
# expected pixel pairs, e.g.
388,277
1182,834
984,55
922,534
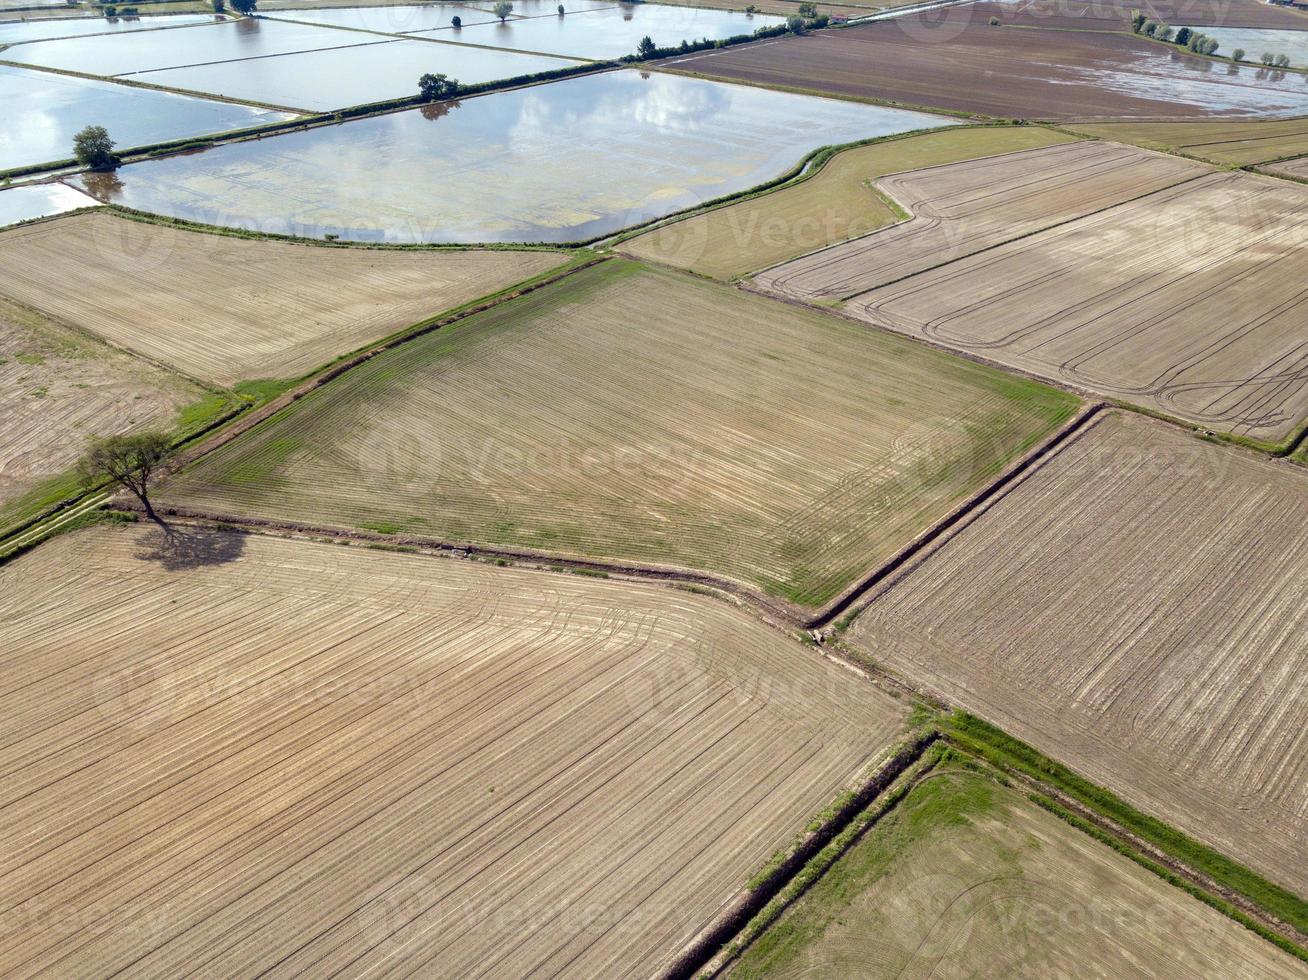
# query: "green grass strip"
1003,750
1169,876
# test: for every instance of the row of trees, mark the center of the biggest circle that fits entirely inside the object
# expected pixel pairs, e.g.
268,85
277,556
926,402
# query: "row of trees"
1196,41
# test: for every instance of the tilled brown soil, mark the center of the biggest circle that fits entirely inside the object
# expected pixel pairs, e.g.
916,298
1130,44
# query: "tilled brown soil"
953,60
1190,300
1133,609
1105,15
961,208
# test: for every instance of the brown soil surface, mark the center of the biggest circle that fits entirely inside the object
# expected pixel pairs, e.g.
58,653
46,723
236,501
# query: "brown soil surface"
1190,301
1134,609
229,755
962,208
227,309
953,60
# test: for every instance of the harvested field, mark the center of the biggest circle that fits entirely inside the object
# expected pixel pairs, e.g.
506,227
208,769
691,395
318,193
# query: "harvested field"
58,389
1234,143
970,67
962,208
966,878
836,204
1190,301
230,755
1294,168
1134,609
228,309
642,416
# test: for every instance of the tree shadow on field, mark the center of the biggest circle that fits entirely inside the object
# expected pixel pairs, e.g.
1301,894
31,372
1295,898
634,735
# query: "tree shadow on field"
182,548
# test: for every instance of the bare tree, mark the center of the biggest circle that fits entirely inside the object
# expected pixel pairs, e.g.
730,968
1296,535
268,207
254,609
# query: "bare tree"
129,461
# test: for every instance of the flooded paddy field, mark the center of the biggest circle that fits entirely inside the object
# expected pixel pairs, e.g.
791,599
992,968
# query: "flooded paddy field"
44,111
1255,41
1010,73
39,201
140,51
392,18
568,161
342,77
18,31
613,32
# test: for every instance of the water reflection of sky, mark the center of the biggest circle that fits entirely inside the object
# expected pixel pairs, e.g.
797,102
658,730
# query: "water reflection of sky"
612,32
560,162
121,54
390,18
13,32
1292,44
1211,87
42,112
39,201
342,77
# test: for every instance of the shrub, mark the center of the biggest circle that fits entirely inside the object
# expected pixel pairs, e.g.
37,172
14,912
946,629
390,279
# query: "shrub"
1238,54
808,10
795,24
244,6
110,10
1150,27
1138,20
457,21
1183,36
1268,58
1282,61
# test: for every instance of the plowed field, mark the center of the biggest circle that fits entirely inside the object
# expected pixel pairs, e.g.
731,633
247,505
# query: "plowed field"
838,203
230,756
1190,301
963,208
642,416
1134,609
227,309
966,878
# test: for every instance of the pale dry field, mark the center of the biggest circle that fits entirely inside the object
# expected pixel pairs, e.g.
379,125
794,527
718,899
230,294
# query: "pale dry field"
234,755
837,203
1190,301
58,390
228,309
646,416
1237,142
961,208
1292,168
968,879
1135,610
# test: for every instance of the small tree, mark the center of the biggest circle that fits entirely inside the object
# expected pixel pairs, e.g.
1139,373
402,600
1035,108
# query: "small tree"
433,88
219,6
1210,46
1183,36
646,49
503,9
129,461
1282,61
1237,54
1138,20
795,24
808,10
561,10
1268,58
457,21
1164,33
244,6
1149,27
93,148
